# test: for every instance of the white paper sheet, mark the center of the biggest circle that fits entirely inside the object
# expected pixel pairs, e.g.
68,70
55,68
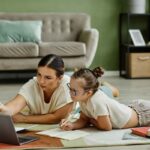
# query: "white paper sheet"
18,129
67,135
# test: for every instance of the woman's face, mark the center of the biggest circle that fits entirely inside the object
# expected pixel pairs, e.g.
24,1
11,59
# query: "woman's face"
47,78
77,92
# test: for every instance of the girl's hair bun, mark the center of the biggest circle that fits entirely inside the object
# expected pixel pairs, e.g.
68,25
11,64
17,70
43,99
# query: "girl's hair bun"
98,72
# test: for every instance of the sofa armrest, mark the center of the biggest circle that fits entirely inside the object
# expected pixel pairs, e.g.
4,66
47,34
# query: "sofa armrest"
90,37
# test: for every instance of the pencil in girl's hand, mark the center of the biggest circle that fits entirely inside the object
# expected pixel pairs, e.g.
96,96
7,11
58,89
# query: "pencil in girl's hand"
71,115
68,119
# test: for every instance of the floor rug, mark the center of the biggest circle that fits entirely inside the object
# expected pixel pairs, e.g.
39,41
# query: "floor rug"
107,138
96,138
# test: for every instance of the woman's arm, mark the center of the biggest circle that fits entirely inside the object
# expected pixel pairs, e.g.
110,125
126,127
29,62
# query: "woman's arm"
14,106
44,119
102,123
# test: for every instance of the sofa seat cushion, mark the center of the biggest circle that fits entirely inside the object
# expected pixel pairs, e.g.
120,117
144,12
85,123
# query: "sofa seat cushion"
19,50
64,49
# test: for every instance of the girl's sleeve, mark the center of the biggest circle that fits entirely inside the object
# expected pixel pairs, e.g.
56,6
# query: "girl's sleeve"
100,109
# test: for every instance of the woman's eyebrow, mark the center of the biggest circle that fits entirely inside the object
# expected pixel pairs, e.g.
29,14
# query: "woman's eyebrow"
48,76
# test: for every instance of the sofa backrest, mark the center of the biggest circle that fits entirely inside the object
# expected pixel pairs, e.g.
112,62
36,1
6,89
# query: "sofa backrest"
56,26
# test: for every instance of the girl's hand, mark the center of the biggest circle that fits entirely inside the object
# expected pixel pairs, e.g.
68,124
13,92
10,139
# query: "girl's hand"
94,122
66,125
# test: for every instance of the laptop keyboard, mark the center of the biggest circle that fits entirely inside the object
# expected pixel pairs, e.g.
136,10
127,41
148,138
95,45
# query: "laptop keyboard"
23,140
26,139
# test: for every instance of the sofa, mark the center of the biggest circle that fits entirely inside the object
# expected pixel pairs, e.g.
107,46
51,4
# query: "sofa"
26,37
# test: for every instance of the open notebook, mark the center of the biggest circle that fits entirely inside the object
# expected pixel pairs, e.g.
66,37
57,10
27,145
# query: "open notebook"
67,135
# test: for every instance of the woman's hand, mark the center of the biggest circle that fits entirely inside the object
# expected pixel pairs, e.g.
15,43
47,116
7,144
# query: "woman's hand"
4,109
18,118
66,125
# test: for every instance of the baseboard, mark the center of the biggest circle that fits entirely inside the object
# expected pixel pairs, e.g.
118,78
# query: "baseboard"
107,73
24,77
111,73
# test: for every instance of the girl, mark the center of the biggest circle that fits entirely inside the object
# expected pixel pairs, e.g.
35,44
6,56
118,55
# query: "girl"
100,110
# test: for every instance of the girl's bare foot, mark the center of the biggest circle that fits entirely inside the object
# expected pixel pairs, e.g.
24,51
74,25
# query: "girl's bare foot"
115,90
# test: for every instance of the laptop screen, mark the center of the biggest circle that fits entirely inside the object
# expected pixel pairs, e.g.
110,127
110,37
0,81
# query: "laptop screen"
8,134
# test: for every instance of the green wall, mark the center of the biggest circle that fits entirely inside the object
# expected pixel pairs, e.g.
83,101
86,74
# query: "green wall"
104,14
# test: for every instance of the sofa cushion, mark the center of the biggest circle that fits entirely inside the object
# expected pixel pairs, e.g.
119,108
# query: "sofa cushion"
19,64
19,50
20,31
64,26
65,49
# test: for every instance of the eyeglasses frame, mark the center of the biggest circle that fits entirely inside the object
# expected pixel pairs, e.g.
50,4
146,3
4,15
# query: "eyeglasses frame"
75,91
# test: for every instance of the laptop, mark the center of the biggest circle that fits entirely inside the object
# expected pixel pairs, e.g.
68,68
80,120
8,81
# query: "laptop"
8,134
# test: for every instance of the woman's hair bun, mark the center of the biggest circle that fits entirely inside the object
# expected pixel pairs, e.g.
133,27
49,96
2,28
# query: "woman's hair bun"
98,72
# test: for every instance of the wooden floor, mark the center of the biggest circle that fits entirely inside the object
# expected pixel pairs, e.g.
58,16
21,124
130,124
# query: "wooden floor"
129,89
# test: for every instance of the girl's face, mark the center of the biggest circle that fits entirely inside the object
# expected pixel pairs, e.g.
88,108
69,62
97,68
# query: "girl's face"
77,91
47,79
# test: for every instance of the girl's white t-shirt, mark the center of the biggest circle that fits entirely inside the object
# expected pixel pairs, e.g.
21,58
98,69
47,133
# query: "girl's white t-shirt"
34,96
100,105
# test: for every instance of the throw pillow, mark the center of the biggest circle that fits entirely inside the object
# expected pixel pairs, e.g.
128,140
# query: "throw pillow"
20,31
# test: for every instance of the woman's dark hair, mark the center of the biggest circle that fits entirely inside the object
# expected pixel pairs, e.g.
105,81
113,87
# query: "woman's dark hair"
90,76
53,61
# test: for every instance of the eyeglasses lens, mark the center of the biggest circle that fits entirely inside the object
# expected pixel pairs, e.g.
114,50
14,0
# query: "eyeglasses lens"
73,92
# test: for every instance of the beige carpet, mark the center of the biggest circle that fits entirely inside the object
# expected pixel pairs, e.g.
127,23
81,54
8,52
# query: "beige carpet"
107,138
96,137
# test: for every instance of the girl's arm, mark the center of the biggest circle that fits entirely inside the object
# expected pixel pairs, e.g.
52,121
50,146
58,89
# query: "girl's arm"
78,124
102,123
81,122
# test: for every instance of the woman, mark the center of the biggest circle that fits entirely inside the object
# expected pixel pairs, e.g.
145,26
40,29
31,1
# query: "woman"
46,95
100,110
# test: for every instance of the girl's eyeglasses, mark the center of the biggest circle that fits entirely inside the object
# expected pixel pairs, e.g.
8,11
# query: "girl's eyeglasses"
75,92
